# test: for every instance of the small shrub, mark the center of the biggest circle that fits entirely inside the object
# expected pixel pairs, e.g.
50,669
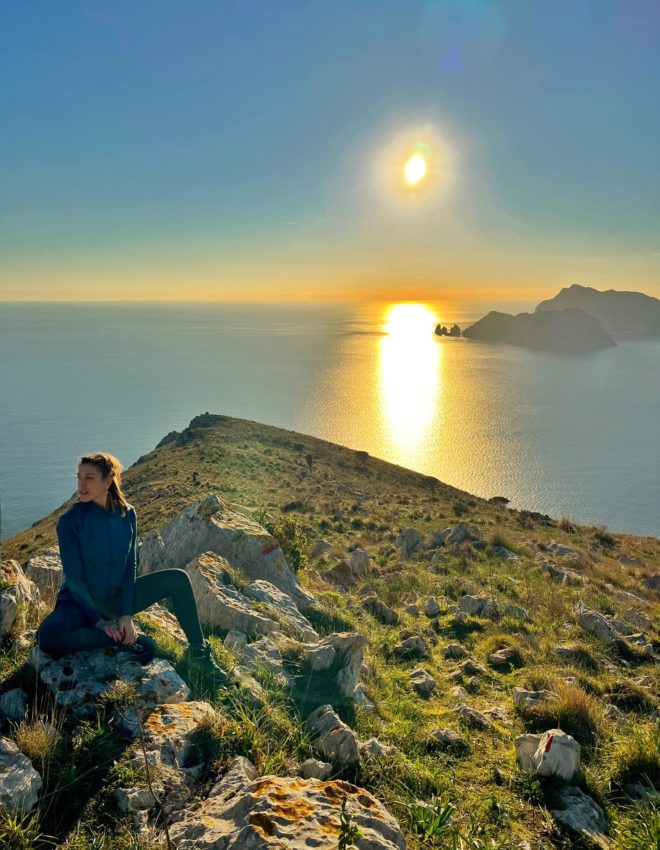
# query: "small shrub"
498,537
527,785
21,833
566,525
574,712
37,739
289,532
630,697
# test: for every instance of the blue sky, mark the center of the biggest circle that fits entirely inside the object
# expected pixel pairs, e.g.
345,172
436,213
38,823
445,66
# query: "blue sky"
232,149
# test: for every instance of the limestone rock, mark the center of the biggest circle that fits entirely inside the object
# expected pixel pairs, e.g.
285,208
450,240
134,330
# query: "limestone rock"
260,654
652,582
412,609
407,541
530,699
448,739
516,613
562,551
460,533
349,655
431,607
376,748
169,728
455,650
134,799
412,647
479,606
505,554
157,615
235,640
472,718
298,625
276,812
595,624
637,619
382,612
321,657
13,705
505,657
19,781
78,680
209,526
45,570
616,715
552,754
359,562
222,605
422,682
315,769
582,816
331,737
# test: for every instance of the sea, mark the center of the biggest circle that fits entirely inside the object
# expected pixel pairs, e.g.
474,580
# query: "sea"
569,436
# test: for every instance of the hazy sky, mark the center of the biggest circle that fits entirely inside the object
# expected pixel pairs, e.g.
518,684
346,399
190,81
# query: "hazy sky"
224,149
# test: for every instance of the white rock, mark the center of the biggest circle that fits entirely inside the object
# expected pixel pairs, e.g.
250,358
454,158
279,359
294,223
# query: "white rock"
209,526
359,562
556,754
315,769
422,682
235,640
595,624
19,781
407,541
374,747
637,619
222,605
530,699
273,812
479,606
134,799
298,625
516,613
382,612
169,730
331,737
472,718
455,650
582,816
412,647
321,658
616,715
45,570
321,548
431,607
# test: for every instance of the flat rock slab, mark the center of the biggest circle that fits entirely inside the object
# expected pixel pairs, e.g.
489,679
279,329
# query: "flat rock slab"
78,680
285,812
168,730
294,621
582,816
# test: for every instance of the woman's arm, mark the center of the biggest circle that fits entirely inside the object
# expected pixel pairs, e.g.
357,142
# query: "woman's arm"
73,567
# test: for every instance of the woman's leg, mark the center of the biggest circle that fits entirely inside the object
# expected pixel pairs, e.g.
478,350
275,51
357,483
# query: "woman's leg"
65,630
174,585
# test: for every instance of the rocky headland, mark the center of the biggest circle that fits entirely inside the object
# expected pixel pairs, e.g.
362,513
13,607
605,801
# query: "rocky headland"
410,667
624,315
571,330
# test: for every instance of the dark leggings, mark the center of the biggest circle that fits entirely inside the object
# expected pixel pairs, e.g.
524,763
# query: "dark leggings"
65,629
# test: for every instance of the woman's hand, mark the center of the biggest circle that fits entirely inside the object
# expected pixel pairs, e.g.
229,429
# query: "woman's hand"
127,629
111,628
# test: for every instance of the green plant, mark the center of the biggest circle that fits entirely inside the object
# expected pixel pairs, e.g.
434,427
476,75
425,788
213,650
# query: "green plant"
348,831
22,832
290,534
638,827
635,758
434,819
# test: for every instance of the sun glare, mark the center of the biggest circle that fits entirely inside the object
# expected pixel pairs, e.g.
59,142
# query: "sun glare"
415,169
410,320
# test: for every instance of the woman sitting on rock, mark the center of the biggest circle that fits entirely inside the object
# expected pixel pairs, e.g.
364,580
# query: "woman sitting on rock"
100,594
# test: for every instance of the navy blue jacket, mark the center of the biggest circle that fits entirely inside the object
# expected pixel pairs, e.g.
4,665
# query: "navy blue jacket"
98,551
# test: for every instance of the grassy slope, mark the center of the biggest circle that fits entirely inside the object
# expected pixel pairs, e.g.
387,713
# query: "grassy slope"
351,499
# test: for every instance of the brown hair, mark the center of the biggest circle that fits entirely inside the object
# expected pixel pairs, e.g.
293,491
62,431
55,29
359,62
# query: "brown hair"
109,465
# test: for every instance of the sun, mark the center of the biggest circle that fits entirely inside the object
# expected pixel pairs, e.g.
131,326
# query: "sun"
415,169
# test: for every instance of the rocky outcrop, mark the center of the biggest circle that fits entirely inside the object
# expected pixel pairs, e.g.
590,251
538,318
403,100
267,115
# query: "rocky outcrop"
245,811
581,816
78,680
479,606
45,570
209,526
19,781
222,605
284,607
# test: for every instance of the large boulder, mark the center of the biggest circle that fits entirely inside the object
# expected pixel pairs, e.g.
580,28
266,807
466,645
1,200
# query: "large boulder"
78,680
19,781
15,590
287,612
209,526
346,662
332,738
273,812
408,541
45,570
553,754
595,624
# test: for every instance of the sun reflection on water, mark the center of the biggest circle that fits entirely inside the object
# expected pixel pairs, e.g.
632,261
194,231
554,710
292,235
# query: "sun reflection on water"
410,376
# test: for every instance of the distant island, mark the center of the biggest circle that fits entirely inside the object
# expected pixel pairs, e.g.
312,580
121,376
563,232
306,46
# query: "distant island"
573,330
624,315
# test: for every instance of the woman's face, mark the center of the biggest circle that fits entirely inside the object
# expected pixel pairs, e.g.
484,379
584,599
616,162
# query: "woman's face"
92,487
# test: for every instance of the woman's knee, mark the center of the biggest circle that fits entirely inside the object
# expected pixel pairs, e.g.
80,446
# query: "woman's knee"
175,580
49,637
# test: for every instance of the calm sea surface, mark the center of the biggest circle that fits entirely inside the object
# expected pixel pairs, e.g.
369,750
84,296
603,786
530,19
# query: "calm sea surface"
567,436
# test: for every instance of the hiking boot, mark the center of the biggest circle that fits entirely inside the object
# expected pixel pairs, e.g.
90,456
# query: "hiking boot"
143,650
202,658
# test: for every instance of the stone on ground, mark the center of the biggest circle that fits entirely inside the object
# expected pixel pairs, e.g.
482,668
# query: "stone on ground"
331,737
19,781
